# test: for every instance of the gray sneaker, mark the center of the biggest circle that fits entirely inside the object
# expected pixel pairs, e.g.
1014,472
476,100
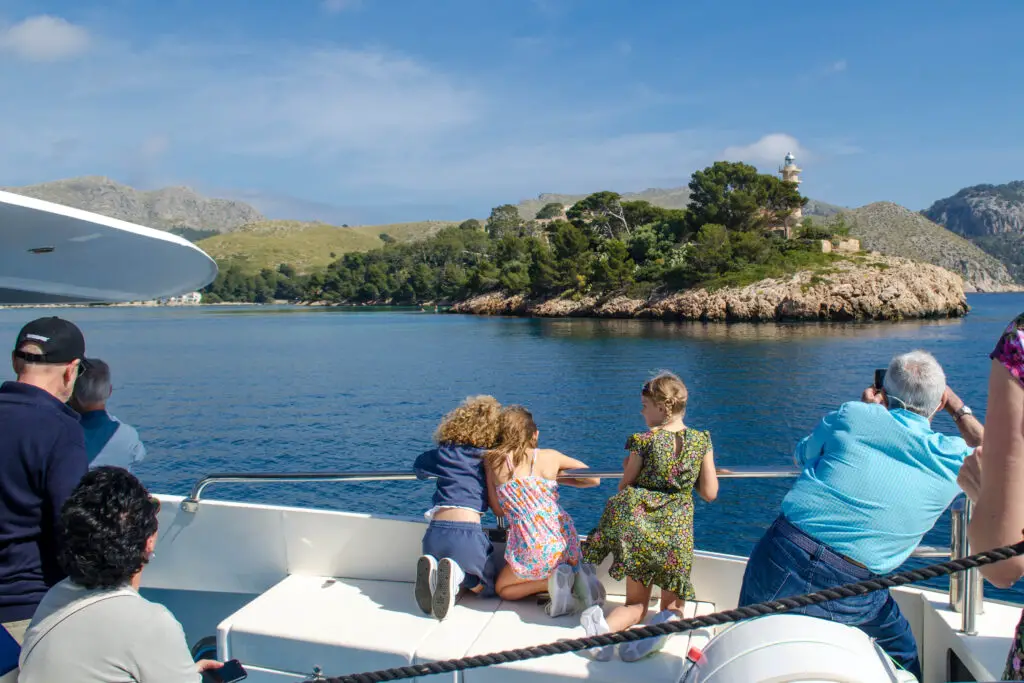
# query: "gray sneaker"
638,649
426,582
560,589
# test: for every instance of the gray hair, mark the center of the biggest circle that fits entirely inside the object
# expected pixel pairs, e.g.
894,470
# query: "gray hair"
93,386
915,381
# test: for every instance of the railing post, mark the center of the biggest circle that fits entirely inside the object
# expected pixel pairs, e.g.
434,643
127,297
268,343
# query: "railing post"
966,589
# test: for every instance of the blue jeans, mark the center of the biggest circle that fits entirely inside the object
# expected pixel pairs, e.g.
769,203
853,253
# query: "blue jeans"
788,562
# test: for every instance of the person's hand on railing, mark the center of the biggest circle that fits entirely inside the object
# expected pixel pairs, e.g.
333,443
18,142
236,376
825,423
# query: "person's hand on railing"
969,477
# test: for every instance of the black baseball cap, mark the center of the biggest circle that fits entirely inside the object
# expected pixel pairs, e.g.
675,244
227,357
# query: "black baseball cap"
60,340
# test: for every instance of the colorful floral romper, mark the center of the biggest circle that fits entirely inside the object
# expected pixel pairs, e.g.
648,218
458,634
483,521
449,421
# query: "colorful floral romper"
1010,352
648,527
541,535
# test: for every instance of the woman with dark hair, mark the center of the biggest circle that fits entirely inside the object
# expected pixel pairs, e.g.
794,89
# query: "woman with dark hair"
94,625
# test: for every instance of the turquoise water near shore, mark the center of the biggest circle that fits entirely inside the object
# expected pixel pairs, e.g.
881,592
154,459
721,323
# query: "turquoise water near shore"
295,389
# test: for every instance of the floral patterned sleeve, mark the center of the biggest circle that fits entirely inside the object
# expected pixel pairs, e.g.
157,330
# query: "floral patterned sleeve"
639,443
1010,348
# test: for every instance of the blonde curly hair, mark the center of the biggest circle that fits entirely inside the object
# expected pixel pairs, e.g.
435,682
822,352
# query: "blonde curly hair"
474,423
667,392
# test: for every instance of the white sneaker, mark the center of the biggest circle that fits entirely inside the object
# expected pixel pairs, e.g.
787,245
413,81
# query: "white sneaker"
560,589
638,649
593,622
597,589
449,578
583,590
426,582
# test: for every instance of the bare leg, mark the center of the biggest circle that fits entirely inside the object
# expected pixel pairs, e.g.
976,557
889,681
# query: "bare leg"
670,600
511,587
638,597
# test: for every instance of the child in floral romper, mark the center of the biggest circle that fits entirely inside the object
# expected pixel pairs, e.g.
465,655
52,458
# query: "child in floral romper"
648,526
542,551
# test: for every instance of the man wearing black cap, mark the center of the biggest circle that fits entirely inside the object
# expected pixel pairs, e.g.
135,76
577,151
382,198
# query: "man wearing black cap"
42,459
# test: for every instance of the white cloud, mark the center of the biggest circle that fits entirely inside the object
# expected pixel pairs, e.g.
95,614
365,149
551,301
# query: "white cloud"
769,149
347,127
44,38
336,6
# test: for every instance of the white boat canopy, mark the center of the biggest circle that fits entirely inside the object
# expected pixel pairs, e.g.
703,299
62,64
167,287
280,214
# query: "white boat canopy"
53,254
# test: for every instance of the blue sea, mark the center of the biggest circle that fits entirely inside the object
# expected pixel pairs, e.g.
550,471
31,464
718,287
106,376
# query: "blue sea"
263,389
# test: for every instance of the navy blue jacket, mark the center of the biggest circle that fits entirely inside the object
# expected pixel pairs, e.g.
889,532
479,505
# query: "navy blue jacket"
461,481
42,459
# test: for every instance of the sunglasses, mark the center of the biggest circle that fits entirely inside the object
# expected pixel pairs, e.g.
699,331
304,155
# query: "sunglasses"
155,502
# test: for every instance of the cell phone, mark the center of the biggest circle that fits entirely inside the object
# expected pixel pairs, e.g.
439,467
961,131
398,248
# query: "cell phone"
229,673
879,379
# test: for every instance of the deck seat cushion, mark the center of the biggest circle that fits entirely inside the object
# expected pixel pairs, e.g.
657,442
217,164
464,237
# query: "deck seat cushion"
346,626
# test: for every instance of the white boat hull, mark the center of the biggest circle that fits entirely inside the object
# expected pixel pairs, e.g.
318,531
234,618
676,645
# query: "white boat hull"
54,254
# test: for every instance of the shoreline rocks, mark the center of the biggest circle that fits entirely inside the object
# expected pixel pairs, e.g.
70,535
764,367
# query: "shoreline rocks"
872,287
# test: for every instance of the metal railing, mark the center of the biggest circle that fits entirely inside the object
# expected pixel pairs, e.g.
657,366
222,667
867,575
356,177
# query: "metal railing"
968,602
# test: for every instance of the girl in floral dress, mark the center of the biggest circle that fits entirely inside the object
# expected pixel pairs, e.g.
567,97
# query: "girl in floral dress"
648,526
542,550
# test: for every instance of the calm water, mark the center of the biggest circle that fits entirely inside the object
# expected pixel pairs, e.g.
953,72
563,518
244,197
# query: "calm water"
287,389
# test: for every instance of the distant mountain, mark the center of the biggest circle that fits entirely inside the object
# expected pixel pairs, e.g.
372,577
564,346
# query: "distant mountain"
982,210
175,209
671,198
896,231
991,216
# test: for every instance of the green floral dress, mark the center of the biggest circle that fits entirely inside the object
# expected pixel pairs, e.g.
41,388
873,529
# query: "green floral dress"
648,527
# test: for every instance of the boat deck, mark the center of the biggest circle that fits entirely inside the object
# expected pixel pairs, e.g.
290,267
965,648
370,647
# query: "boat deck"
352,626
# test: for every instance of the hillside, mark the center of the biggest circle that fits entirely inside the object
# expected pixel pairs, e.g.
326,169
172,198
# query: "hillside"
672,198
305,246
896,231
982,210
991,216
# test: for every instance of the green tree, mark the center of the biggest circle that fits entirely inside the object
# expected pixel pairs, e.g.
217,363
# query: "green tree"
515,277
544,277
737,197
613,267
712,251
601,213
471,224
504,220
551,210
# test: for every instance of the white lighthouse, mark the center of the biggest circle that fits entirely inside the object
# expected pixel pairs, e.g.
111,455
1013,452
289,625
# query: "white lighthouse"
790,172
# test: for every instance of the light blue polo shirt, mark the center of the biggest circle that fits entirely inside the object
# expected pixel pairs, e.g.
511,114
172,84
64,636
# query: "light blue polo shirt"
874,481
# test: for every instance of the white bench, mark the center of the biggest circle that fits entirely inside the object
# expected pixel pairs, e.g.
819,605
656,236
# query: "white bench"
347,626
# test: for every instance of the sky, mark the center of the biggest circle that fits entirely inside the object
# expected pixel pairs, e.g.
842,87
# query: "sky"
366,111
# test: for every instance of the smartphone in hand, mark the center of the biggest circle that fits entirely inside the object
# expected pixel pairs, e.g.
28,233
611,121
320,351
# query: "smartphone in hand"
879,379
231,672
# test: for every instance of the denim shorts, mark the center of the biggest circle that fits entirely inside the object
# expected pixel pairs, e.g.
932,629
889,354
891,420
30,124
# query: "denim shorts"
467,544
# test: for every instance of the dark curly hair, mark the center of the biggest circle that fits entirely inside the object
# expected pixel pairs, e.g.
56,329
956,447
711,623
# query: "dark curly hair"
105,524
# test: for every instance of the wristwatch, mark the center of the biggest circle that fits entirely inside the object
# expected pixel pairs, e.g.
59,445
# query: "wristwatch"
964,410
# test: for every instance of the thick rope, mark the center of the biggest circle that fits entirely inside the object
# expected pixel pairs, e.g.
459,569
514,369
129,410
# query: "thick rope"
717,619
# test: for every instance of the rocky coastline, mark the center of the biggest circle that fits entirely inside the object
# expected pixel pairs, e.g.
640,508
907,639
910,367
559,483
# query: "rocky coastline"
873,287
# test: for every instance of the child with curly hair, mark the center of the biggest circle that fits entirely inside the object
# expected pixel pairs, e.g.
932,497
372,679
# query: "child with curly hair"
456,551
648,526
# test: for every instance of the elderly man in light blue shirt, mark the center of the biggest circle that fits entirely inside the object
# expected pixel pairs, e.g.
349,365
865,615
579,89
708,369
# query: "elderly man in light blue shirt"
874,479
108,441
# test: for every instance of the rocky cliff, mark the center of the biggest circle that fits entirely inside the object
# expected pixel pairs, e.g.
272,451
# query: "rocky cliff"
896,231
982,210
864,288
178,209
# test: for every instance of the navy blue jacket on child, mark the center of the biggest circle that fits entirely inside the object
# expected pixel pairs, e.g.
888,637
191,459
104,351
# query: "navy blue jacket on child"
461,483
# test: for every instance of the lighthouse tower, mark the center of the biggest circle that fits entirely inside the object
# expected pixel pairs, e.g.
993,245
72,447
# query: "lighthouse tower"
791,172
